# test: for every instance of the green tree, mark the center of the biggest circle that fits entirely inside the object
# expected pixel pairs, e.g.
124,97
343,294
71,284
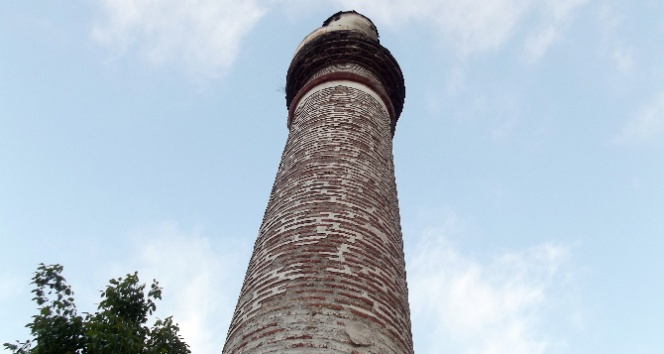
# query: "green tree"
118,326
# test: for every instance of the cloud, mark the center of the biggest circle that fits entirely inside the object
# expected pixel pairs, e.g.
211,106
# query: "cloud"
647,124
624,58
203,36
610,21
475,26
196,278
538,43
470,26
495,306
609,18
555,15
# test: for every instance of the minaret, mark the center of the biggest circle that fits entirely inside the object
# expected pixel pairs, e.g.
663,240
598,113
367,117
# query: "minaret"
327,274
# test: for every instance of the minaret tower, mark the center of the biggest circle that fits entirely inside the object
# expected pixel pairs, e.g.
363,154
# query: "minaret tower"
327,274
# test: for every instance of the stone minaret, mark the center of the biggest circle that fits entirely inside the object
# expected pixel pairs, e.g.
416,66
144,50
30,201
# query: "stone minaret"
327,274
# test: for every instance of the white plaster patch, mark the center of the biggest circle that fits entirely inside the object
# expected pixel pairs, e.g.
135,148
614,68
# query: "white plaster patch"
348,22
359,334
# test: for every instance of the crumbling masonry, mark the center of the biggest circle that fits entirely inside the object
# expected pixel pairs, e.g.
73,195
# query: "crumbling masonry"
327,274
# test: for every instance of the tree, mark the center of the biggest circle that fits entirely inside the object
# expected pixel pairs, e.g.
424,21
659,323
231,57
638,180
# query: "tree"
118,326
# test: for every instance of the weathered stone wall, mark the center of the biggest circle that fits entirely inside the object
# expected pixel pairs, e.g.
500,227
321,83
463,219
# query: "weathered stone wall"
327,274
347,47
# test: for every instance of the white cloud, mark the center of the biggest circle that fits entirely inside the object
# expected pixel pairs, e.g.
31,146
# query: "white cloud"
538,43
475,26
624,58
610,21
492,307
470,25
202,35
647,124
195,277
609,18
555,15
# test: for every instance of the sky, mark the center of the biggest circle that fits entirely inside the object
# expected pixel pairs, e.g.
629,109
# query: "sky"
145,136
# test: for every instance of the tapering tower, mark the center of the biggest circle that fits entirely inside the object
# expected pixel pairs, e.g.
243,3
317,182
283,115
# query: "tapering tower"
327,274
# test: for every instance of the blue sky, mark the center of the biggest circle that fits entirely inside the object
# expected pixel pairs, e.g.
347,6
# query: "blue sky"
145,135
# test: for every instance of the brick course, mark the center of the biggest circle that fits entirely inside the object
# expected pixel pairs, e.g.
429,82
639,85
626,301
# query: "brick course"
327,274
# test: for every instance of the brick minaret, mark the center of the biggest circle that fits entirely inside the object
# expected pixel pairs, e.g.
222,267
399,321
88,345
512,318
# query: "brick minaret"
327,274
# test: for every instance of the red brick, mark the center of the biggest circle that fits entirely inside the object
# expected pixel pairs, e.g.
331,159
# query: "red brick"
328,258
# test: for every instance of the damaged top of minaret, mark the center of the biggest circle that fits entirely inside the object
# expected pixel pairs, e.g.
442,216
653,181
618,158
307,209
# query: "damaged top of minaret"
344,21
346,39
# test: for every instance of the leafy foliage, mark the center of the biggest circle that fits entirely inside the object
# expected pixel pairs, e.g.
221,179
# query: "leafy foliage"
118,326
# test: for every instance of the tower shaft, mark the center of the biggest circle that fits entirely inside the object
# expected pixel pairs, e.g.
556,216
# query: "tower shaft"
327,274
